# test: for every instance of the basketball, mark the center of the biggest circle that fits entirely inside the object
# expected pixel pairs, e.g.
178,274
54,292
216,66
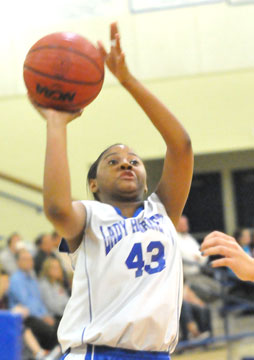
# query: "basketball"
63,71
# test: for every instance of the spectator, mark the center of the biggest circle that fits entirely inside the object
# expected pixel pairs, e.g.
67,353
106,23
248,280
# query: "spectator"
28,337
45,248
194,264
64,261
243,237
24,290
195,319
8,254
189,247
53,292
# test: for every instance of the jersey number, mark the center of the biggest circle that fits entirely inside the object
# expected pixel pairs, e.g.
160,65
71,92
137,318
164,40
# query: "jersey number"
135,258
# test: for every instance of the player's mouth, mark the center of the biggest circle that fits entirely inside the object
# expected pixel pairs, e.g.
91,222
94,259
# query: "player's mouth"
127,174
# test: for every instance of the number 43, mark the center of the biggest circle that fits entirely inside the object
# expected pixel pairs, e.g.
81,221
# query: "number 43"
135,258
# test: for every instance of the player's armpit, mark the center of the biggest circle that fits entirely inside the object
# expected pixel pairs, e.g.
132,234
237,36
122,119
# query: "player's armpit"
71,225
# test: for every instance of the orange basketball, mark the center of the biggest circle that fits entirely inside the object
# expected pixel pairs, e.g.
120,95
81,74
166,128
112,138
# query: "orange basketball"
63,71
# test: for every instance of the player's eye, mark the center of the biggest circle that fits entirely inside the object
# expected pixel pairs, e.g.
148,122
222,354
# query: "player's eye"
134,162
112,162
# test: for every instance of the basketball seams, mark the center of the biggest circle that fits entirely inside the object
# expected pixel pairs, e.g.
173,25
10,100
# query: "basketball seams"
55,77
70,49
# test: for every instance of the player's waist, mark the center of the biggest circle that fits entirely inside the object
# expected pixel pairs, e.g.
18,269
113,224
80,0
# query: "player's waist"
90,352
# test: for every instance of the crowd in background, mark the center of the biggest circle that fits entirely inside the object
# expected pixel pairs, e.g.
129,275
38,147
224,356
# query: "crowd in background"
203,285
35,282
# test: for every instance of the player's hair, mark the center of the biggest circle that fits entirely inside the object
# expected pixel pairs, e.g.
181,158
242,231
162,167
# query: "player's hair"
92,172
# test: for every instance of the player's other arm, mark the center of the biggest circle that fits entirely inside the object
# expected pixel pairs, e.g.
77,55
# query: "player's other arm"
67,217
233,256
175,182
174,185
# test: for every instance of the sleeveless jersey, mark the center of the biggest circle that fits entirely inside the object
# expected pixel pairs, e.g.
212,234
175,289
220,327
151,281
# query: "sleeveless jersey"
127,284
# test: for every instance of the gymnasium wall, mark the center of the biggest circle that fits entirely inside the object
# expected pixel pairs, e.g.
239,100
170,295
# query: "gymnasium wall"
198,60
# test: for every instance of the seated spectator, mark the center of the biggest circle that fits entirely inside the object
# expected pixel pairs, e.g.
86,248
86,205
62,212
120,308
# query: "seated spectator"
24,290
53,292
195,319
194,264
189,247
64,261
8,254
29,339
45,248
243,237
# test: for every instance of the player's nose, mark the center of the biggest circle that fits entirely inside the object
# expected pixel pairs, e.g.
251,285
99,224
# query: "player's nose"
125,165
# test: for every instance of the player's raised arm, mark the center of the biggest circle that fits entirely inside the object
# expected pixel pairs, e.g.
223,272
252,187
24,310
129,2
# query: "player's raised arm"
233,255
175,182
67,217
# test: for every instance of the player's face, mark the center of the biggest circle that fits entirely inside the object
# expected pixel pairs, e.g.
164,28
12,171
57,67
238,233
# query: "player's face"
121,175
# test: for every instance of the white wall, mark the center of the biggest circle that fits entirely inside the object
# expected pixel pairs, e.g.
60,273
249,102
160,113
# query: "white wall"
171,42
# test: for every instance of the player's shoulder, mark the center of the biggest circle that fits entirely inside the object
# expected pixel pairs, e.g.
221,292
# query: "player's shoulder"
154,201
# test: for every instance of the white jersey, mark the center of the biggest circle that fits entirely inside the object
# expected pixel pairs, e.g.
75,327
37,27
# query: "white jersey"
127,284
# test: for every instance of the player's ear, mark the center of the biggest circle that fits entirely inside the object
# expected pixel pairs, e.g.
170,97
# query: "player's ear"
93,185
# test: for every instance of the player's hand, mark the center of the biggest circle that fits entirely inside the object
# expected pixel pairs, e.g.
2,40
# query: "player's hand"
218,243
52,114
115,59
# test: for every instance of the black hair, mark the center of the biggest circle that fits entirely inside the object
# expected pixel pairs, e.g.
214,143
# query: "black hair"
92,172
238,234
38,240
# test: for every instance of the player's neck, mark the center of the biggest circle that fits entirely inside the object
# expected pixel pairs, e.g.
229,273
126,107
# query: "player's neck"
127,208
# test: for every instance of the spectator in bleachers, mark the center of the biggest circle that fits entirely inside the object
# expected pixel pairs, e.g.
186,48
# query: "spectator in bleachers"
45,248
24,290
52,288
29,339
8,254
189,247
243,237
194,264
195,316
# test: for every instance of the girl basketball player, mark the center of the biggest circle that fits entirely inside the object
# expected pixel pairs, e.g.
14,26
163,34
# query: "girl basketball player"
127,285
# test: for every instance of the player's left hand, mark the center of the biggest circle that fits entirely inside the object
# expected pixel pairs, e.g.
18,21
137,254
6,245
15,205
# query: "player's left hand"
115,59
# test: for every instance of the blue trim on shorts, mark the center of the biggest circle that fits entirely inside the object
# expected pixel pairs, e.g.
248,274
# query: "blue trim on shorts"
89,351
65,354
109,353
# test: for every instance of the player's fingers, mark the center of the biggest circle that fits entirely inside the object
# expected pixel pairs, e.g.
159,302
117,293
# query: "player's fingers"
218,250
219,234
216,238
222,262
121,58
113,30
117,43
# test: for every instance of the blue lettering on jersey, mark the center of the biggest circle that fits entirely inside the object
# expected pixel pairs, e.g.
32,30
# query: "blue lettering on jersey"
114,233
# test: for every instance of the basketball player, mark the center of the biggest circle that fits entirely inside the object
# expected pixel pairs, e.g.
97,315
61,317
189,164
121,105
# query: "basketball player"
127,285
218,243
